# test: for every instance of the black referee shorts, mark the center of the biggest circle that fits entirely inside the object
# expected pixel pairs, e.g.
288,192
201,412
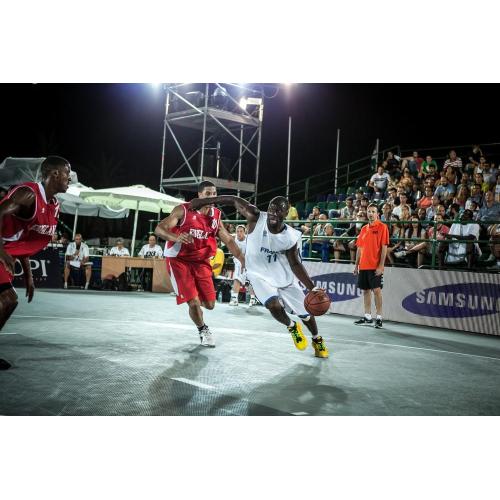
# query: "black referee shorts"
368,280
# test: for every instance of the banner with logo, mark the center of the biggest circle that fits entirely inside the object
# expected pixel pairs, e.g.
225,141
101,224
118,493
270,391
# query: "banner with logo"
45,268
445,299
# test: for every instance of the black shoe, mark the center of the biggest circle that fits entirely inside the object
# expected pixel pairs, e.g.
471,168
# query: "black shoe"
364,321
4,365
378,323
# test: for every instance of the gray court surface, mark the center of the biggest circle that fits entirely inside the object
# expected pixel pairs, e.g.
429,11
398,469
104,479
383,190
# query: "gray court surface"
125,353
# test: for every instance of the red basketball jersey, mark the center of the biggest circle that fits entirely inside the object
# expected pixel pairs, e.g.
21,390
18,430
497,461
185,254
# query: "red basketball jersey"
25,237
203,228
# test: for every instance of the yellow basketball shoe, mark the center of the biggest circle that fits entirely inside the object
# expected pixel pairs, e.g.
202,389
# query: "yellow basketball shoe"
320,350
298,336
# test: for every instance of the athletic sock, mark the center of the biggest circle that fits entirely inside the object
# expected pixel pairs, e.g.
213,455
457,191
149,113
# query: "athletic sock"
292,322
234,295
368,317
379,316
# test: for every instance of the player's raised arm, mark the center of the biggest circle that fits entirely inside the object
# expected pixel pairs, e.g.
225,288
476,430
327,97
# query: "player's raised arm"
246,209
163,229
231,244
292,254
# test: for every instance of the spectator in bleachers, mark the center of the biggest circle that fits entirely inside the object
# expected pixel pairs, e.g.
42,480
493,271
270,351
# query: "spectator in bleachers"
417,192
494,244
292,213
354,229
453,252
431,182
426,200
422,217
453,211
490,211
481,166
393,165
490,175
478,179
425,165
497,189
413,162
451,175
396,232
403,202
407,179
465,180
357,200
454,162
320,244
432,173
441,210
119,250
391,196
411,248
462,196
386,212
377,195
445,191
380,180
307,227
348,211
432,210
474,157
474,208
77,258
363,205
476,195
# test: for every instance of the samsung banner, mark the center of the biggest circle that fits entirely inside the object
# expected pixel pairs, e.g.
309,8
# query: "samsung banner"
446,299
45,268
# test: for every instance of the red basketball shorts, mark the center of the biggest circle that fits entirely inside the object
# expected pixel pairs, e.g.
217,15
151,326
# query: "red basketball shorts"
190,280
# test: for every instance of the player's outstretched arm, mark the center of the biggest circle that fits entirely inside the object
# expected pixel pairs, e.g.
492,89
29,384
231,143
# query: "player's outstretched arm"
21,203
249,211
163,229
298,269
231,245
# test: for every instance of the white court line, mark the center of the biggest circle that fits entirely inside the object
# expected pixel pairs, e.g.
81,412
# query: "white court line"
300,413
245,332
9,333
194,382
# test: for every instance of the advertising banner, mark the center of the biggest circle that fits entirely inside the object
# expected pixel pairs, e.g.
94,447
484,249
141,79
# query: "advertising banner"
446,299
45,268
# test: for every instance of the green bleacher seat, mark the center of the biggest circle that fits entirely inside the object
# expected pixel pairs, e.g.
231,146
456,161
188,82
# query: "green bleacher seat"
341,204
351,190
322,205
300,205
341,190
332,205
309,207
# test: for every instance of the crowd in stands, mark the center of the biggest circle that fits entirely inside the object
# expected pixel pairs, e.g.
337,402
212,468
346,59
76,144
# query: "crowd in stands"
424,199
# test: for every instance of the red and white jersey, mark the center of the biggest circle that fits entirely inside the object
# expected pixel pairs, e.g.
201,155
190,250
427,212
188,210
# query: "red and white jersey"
24,237
203,228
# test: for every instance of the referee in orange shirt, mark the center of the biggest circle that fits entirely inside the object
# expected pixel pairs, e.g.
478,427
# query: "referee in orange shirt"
371,245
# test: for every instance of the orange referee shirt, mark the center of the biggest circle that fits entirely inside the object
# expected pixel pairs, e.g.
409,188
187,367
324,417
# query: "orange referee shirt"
371,238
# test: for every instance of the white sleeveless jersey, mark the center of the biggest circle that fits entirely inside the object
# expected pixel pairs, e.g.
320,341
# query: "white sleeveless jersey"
265,254
242,245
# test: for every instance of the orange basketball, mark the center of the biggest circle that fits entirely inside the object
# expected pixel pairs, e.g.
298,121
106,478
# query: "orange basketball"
317,302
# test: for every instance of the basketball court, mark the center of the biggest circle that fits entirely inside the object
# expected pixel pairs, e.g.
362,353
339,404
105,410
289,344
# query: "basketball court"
116,353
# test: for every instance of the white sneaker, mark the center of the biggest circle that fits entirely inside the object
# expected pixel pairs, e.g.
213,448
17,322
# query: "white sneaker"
233,301
86,286
65,285
206,338
400,254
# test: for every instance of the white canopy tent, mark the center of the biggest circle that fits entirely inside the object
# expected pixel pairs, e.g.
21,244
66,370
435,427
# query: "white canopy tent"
71,203
138,198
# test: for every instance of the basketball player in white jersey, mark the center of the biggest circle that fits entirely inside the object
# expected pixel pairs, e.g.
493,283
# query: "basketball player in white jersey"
273,265
240,275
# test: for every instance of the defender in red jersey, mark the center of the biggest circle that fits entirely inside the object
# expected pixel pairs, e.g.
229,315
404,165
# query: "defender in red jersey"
190,236
28,219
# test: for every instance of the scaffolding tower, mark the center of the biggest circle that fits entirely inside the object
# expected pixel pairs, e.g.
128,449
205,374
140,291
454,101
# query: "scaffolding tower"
225,146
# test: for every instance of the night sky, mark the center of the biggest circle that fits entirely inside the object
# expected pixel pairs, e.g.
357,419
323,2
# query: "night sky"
112,133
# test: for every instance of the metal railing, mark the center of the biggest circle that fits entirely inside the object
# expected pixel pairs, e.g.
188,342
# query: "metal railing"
434,241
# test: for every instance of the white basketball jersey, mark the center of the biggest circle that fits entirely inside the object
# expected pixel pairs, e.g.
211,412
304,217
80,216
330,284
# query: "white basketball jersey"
265,254
242,245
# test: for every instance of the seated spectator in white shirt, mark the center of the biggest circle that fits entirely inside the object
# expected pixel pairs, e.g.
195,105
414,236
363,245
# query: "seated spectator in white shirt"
403,200
77,257
432,210
348,211
380,180
151,249
456,252
119,250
